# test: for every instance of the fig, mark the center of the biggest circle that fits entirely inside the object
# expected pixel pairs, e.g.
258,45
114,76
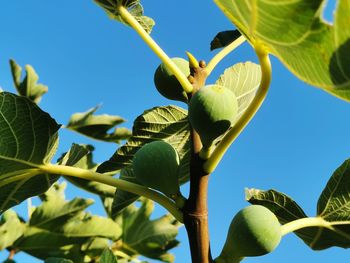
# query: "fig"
166,82
156,165
254,231
212,110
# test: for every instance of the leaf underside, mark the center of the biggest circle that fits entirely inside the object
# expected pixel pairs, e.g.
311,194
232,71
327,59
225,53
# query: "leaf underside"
28,137
167,123
293,31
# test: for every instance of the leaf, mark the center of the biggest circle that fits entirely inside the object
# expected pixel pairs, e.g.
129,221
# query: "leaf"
58,260
133,6
108,257
95,246
283,206
28,138
294,31
334,206
224,38
55,211
11,228
61,228
81,156
150,238
244,80
169,124
29,86
97,126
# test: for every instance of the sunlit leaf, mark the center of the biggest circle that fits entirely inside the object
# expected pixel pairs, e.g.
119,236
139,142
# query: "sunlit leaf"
150,238
243,79
133,6
29,86
169,124
11,228
28,138
314,50
98,126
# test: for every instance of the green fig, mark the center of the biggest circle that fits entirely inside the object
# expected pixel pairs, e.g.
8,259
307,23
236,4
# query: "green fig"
212,110
254,231
156,165
166,82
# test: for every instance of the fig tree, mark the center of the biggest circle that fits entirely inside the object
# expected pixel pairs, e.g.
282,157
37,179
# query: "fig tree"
166,82
212,110
254,231
156,165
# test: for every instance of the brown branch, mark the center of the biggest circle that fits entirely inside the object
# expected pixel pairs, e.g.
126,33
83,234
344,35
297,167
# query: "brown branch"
196,208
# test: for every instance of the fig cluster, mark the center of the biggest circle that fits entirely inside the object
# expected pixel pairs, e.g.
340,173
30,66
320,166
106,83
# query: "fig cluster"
166,82
254,231
212,110
156,165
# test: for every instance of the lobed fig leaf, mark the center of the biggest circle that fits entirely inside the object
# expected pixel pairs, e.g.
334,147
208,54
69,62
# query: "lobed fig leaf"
166,82
254,231
156,165
212,110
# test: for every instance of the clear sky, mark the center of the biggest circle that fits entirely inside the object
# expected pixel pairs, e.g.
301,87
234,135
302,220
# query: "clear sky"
295,142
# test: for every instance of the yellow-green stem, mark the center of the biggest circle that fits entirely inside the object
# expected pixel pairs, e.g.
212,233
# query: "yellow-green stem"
218,153
223,53
124,13
304,222
121,184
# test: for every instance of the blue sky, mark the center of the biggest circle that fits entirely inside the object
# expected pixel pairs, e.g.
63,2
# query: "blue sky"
295,142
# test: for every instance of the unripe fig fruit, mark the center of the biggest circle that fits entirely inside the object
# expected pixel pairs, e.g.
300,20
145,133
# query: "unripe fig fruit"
254,231
156,165
166,82
212,110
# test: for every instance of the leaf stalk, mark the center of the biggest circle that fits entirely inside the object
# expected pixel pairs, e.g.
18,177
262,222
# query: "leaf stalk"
124,13
118,183
229,138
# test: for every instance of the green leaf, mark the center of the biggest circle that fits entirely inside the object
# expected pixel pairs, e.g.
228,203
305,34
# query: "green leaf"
224,38
11,228
169,124
9,261
58,260
133,6
98,126
28,138
29,86
244,80
294,31
150,238
95,246
81,156
283,206
108,257
55,211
